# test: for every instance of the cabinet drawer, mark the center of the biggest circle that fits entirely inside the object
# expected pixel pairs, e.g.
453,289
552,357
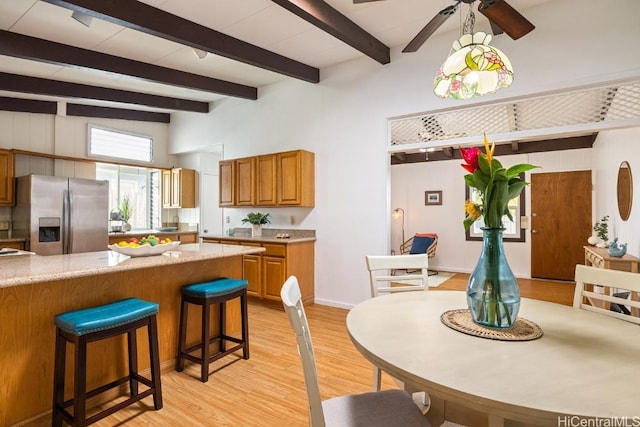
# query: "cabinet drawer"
272,249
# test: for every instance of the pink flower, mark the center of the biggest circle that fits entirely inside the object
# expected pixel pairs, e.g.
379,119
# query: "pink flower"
470,156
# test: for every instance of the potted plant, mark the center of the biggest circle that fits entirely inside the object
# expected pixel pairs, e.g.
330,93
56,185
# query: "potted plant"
257,220
602,231
126,211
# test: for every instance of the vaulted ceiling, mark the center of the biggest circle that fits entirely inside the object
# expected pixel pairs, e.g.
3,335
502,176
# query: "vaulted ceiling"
144,54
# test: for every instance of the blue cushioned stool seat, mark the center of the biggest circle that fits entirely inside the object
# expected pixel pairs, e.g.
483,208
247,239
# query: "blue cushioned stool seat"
81,327
214,287
218,291
85,321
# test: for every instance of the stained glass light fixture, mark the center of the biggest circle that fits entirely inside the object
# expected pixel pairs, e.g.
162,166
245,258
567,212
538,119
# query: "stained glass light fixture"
473,68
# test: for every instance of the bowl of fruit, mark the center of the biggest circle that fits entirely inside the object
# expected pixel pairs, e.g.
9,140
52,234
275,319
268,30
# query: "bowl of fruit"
145,246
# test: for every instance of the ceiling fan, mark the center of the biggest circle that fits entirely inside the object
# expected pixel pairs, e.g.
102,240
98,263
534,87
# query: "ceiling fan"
501,15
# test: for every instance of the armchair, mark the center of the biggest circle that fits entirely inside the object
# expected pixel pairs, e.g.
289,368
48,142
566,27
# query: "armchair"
421,243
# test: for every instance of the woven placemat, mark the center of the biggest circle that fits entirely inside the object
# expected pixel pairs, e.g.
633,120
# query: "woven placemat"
522,329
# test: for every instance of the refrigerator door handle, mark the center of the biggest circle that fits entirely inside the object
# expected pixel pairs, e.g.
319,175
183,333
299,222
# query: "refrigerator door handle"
66,222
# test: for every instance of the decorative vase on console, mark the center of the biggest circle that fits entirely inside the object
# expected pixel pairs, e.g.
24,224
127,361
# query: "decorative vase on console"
493,294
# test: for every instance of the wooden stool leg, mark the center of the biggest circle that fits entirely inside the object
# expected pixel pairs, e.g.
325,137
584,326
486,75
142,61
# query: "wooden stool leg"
154,362
182,335
245,324
205,354
133,361
58,378
80,383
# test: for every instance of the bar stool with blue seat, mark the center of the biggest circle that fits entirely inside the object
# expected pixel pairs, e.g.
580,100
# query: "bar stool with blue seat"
81,327
204,294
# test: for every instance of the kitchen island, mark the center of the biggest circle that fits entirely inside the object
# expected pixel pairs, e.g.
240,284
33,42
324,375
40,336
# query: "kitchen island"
33,289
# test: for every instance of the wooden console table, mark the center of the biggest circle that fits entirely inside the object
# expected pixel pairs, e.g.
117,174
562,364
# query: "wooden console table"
598,257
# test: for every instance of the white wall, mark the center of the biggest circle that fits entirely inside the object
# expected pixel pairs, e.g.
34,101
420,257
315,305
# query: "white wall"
610,150
343,119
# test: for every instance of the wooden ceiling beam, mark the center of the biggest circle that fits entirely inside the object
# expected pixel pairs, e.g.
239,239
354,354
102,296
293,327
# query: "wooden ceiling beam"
150,20
323,16
17,83
32,48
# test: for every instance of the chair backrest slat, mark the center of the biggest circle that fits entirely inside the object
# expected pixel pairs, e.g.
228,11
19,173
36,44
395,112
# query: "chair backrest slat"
383,280
609,292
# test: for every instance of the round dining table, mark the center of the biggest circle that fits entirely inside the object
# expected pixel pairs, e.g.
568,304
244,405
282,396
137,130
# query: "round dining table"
585,365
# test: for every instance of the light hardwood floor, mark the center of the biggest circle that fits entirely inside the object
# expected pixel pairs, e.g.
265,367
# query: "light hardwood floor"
268,389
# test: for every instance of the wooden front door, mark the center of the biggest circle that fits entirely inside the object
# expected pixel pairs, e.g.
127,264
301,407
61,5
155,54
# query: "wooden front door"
560,223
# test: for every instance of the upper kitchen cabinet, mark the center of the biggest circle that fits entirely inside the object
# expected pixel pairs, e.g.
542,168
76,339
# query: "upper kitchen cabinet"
227,183
266,180
6,178
295,177
179,188
246,181
279,179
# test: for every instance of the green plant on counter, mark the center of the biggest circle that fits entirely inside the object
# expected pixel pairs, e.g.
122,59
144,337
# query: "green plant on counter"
256,218
126,209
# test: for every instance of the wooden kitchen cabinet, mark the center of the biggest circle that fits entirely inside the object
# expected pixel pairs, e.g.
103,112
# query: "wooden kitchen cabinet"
279,179
295,177
178,188
266,272
246,181
266,167
227,182
6,178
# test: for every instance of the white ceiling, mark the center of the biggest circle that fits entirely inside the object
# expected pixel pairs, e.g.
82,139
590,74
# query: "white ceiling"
260,22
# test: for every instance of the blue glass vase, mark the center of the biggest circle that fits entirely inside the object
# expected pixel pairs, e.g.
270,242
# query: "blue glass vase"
493,295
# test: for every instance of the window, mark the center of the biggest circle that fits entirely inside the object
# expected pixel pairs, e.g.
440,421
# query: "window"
140,185
107,143
513,232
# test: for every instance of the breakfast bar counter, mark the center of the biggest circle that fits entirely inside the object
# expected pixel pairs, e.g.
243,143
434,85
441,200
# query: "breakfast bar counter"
33,289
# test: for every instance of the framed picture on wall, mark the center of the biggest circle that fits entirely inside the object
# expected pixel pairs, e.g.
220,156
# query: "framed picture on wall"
433,197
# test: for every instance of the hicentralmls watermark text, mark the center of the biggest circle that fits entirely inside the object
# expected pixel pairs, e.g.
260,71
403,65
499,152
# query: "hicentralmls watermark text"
573,421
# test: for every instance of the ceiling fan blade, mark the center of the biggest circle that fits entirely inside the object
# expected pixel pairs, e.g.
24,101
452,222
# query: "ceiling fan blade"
430,28
506,17
364,1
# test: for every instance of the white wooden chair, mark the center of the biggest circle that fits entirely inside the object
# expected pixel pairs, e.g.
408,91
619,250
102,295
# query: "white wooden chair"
383,281
609,292
383,408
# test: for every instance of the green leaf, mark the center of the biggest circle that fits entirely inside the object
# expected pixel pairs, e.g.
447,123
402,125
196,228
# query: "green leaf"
516,170
483,164
515,188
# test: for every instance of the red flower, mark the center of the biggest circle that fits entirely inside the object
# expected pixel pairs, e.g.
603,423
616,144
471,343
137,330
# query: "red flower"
470,156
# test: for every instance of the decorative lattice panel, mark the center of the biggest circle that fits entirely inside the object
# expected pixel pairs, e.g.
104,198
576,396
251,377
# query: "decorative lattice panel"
581,109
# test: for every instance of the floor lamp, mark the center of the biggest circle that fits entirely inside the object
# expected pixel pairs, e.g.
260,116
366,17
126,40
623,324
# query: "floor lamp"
397,213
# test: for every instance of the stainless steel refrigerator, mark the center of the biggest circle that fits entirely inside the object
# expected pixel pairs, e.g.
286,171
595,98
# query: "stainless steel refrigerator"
59,215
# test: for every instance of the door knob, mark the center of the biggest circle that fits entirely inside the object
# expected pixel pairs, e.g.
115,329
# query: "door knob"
534,231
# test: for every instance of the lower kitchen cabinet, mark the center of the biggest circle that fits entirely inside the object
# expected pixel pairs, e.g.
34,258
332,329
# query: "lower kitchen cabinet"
266,272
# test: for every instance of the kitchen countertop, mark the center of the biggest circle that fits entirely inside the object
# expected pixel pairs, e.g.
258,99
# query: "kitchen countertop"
29,269
269,235
264,239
